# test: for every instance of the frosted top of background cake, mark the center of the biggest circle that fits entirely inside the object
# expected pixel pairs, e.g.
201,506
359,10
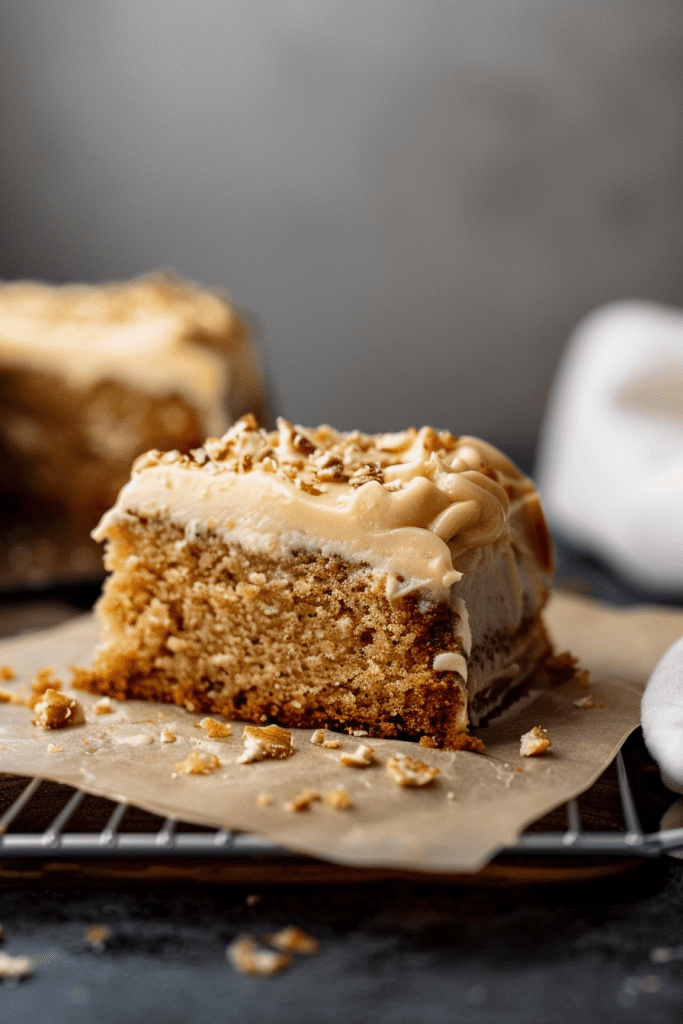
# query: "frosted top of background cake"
155,333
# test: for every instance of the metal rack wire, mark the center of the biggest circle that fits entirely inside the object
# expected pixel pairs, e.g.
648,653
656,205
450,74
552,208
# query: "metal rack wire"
56,841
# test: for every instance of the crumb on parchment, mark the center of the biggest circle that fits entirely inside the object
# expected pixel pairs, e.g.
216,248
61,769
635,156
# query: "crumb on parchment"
361,757
198,762
339,799
167,736
247,957
7,673
261,742
319,738
428,741
103,706
293,939
408,771
585,702
464,742
54,748
535,742
57,710
264,799
303,800
213,728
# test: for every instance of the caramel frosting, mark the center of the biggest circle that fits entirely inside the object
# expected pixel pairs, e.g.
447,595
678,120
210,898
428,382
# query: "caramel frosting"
419,506
156,333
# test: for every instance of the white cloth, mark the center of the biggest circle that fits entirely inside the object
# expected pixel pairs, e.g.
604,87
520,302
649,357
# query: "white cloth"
611,456
662,716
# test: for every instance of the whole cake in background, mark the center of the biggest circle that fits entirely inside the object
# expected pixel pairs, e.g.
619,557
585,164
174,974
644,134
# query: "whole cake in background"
388,583
90,377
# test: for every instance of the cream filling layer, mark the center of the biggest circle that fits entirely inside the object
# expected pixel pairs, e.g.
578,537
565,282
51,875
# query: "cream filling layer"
265,513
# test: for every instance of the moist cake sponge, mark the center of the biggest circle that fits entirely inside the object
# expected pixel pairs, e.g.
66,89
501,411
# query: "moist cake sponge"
387,583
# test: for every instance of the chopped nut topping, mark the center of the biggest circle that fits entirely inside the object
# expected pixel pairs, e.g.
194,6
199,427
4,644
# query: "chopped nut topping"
57,710
103,706
7,673
96,935
16,966
198,762
213,728
261,742
249,958
408,771
167,736
534,743
265,799
361,757
293,940
585,702
303,800
339,799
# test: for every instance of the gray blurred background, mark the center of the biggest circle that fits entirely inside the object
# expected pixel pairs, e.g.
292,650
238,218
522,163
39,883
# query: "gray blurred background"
416,200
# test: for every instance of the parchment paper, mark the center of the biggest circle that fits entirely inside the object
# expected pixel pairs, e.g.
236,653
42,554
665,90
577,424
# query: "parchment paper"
476,805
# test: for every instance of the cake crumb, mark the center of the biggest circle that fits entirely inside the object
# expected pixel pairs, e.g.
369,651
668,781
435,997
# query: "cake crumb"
7,673
263,742
16,966
585,702
359,732
408,771
361,757
303,800
96,935
213,728
167,736
198,762
332,744
6,697
57,710
339,799
450,795
534,743
582,678
318,737
103,706
428,741
293,940
253,899
249,958
464,742
54,748
264,799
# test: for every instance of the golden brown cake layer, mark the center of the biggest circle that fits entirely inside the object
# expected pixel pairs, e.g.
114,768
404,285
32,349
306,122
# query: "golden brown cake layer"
306,641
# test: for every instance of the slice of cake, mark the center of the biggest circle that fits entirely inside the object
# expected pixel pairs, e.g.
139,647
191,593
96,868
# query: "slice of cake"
91,376
389,583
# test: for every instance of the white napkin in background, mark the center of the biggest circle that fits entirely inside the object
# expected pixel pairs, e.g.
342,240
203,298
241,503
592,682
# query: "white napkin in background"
610,466
611,475
662,716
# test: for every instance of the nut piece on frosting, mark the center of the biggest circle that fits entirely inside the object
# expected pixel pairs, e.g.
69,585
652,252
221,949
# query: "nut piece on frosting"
408,771
261,742
534,743
57,710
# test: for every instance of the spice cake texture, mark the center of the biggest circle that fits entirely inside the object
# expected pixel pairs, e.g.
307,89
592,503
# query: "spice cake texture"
389,583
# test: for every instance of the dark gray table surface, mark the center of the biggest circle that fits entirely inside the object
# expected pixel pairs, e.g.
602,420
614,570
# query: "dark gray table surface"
391,952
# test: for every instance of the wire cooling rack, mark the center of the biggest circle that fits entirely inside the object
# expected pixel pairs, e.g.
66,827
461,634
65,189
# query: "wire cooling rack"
158,839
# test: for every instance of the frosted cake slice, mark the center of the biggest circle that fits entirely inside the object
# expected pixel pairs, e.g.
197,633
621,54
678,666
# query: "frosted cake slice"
389,583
